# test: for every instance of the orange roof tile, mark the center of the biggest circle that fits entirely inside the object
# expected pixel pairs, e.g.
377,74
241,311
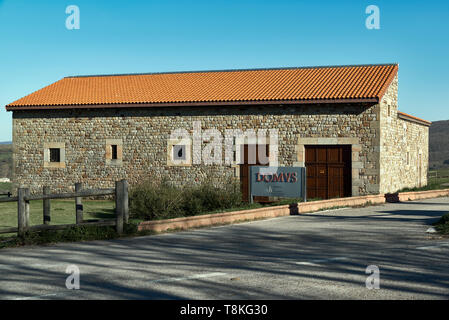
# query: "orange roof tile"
413,118
308,84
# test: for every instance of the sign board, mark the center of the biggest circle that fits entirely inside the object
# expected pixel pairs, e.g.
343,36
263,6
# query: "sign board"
283,182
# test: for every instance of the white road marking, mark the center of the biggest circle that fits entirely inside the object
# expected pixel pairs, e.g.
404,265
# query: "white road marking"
439,245
328,210
320,261
38,297
32,266
236,223
45,265
197,276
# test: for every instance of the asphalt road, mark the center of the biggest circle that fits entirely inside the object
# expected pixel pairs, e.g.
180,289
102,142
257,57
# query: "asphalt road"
317,256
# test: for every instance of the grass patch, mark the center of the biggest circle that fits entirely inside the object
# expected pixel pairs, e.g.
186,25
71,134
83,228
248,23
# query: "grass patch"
442,172
72,234
62,212
442,226
5,161
433,184
5,187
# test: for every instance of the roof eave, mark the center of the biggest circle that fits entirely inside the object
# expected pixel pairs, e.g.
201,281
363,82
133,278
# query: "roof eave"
192,104
405,116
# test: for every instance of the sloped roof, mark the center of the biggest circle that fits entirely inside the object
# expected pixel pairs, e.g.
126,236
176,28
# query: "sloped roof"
409,117
290,85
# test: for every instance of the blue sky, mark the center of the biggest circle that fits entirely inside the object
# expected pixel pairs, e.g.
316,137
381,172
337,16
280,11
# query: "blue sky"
134,36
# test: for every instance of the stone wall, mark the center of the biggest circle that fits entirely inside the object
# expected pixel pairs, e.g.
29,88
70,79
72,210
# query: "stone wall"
404,147
144,133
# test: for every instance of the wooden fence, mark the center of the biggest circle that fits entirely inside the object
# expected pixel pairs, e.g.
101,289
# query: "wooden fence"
23,199
435,175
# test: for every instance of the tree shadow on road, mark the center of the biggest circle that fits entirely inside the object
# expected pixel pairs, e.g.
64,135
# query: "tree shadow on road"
265,256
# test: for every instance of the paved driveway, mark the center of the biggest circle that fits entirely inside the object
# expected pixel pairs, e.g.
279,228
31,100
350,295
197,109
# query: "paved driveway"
316,256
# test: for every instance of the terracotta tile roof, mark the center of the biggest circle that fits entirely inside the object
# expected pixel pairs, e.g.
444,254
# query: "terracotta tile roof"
308,84
406,116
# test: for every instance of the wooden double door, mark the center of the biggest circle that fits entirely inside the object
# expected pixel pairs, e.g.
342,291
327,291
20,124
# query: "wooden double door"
328,171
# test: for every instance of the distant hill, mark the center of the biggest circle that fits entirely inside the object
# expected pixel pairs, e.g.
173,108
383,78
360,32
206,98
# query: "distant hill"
7,142
5,161
439,144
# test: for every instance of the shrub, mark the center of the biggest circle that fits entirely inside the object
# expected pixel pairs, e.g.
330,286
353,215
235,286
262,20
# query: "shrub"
443,224
444,219
154,201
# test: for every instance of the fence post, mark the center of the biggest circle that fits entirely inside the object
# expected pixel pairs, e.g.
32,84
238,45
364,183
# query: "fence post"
27,208
79,204
22,216
47,206
126,200
119,205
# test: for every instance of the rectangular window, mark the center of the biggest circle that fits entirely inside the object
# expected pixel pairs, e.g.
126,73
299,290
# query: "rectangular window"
114,152
55,155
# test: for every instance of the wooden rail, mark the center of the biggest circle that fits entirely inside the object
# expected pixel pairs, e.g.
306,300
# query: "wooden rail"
80,194
436,176
23,208
12,199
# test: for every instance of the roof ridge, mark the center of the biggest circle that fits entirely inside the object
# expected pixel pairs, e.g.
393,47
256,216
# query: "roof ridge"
231,70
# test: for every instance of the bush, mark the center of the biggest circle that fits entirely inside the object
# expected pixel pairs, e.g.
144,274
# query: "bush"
443,224
155,201
207,198
158,201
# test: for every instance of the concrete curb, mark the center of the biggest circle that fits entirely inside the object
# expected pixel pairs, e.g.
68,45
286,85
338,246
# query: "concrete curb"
254,214
279,211
410,196
217,218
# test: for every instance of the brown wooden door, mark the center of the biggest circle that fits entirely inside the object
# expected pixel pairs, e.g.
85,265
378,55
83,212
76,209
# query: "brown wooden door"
248,160
328,171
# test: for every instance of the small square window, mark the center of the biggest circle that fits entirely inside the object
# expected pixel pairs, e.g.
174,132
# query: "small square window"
55,155
179,152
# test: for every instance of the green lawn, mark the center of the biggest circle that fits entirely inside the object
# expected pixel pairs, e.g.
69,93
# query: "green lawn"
434,182
62,212
5,187
439,179
443,172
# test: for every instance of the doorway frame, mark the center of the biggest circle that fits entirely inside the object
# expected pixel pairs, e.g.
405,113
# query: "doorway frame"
356,164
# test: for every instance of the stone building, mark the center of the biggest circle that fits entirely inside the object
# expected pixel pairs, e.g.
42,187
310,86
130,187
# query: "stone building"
341,122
